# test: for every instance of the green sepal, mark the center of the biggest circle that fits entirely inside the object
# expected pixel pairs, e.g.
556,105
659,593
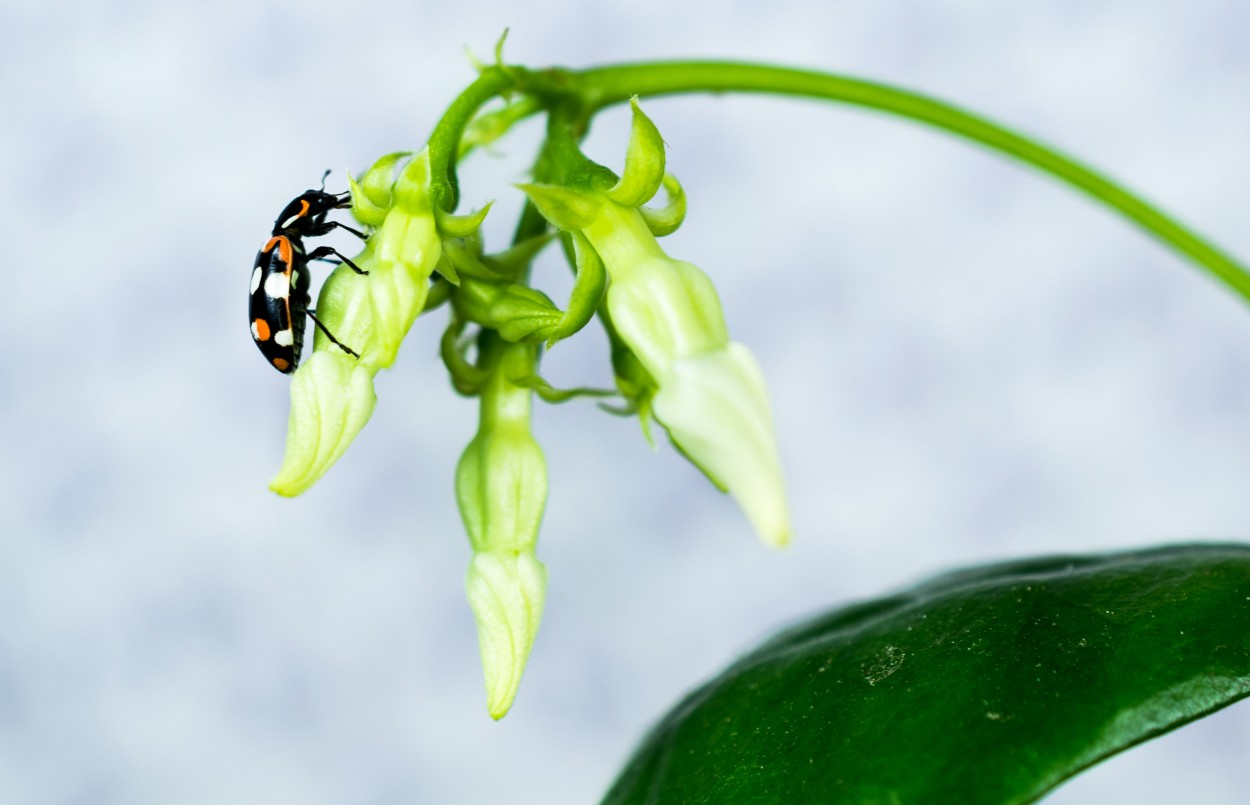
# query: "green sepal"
566,208
460,226
588,290
372,194
633,380
499,43
446,267
628,409
482,66
635,383
551,394
515,262
439,293
466,259
665,220
519,313
466,378
489,126
644,162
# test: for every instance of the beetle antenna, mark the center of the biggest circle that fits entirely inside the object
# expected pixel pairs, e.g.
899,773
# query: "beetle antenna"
323,179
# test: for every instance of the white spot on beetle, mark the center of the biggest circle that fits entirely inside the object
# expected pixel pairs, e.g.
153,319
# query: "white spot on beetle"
255,332
277,286
288,223
256,274
284,338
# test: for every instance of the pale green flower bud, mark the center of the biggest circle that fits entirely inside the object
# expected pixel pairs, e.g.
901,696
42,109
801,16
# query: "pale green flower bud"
331,400
332,393
517,312
674,353
711,395
704,389
405,250
501,489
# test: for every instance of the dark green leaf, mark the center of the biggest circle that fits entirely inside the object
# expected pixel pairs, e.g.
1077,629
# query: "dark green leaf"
990,685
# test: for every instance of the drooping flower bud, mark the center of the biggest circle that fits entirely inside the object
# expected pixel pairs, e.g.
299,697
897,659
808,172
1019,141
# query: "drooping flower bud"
501,489
332,393
711,395
405,250
707,391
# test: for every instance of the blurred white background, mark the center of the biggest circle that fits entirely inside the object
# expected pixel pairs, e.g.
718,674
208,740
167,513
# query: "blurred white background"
967,361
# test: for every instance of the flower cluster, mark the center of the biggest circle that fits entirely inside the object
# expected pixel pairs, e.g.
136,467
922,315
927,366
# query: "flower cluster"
672,359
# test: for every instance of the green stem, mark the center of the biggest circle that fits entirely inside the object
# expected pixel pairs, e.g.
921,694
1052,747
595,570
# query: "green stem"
604,86
444,141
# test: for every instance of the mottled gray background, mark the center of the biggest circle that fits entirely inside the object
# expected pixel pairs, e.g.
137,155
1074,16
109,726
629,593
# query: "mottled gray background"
967,361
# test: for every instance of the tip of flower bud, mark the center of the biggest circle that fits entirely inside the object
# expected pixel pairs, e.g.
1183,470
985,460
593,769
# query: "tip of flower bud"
331,400
506,592
715,407
412,187
371,194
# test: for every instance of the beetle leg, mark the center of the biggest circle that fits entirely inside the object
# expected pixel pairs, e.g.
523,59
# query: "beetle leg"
330,225
330,336
320,253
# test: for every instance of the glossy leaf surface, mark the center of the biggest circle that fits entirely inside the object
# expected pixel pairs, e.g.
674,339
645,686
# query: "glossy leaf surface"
989,685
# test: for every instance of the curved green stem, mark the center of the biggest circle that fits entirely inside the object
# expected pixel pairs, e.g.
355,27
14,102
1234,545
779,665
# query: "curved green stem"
604,86
444,141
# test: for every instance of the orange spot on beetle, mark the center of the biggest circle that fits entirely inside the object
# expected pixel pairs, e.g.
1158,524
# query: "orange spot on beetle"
303,210
260,328
281,364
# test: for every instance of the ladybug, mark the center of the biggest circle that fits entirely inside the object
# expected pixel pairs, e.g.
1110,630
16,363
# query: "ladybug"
279,296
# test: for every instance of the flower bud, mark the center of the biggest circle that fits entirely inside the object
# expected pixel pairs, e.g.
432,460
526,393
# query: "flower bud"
711,395
331,400
671,349
405,250
501,489
519,313
706,390
715,407
332,393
